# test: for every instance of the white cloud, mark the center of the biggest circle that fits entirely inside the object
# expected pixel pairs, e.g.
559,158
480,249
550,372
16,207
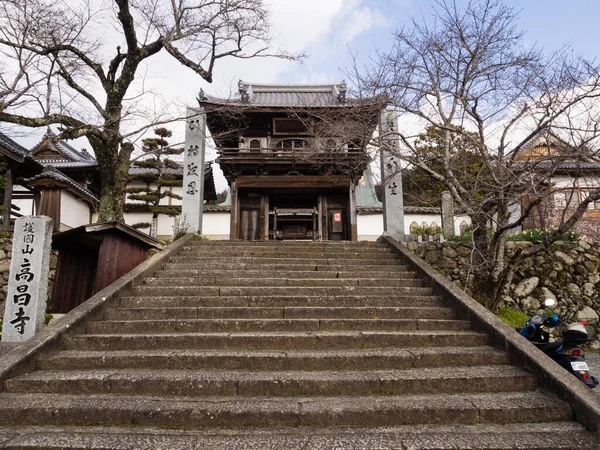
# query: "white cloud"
362,18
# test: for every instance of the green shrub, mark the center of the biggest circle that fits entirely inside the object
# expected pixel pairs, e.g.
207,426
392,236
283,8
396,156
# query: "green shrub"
427,230
467,237
513,317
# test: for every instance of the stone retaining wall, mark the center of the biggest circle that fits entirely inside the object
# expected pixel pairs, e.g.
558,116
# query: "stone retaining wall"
568,272
5,258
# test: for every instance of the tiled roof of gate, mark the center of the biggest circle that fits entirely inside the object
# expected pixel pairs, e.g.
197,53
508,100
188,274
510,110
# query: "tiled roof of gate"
285,95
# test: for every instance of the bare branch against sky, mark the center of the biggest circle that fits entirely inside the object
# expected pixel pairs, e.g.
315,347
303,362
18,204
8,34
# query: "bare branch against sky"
65,68
467,79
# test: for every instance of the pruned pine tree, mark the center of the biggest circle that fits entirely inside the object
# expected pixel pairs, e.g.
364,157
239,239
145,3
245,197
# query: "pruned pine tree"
160,174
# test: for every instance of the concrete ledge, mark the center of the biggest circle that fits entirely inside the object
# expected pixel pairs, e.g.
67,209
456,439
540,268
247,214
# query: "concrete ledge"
23,357
522,352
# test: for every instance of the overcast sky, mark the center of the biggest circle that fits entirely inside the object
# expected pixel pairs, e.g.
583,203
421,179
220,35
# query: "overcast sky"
329,31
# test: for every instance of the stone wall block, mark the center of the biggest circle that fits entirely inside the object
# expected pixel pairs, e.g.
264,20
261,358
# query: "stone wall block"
564,258
526,287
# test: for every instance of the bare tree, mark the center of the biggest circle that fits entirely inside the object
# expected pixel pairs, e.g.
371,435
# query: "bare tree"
61,69
467,75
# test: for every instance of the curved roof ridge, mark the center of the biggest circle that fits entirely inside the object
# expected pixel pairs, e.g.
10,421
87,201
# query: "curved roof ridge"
291,85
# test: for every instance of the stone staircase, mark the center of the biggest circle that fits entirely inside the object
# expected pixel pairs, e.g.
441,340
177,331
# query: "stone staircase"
282,345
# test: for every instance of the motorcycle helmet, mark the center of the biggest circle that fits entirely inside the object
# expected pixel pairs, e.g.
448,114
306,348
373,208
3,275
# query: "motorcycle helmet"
575,332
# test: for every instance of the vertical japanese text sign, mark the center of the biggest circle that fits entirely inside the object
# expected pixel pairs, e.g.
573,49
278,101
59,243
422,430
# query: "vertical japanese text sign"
391,176
193,170
28,283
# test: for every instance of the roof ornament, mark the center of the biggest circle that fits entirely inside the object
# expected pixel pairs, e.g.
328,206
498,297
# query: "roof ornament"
341,97
243,89
201,95
85,154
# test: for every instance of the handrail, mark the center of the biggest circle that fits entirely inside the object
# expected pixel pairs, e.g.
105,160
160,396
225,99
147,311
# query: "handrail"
291,152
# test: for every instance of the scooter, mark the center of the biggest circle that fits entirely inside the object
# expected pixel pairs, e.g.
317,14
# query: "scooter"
564,351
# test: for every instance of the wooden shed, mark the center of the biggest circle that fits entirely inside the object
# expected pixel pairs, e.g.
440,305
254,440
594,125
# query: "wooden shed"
93,256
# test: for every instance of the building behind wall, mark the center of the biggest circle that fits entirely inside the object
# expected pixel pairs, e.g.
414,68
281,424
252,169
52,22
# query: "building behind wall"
292,155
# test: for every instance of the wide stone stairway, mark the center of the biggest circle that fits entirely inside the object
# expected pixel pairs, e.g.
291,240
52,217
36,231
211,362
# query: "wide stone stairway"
282,345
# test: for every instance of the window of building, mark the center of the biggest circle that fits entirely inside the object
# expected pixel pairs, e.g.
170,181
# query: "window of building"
292,144
413,227
255,144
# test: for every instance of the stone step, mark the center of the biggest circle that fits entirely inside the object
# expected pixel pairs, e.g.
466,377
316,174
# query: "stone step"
284,312
347,260
303,253
288,244
271,291
253,360
264,325
305,274
196,383
281,281
276,340
233,412
532,436
283,300
287,267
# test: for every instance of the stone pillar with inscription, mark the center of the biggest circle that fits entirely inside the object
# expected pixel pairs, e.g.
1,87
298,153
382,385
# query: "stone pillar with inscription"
28,284
193,170
447,214
391,176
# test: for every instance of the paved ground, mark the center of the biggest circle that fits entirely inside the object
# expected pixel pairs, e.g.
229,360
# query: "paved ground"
593,360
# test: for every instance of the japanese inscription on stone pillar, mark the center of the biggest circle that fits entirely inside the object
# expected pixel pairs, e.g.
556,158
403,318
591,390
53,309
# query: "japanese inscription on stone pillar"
193,170
447,214
393,203
28,283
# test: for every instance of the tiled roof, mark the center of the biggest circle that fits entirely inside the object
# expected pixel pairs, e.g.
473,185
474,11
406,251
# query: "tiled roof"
133,170
11,146
69,164
54,174
285,95
75,158
407,210
562,165
217,208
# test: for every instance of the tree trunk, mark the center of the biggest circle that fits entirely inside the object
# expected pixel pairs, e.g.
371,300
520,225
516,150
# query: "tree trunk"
114,168
483,286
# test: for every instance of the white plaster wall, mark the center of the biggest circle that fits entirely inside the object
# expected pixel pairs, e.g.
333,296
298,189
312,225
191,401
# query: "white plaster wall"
73,212
215,225
165,223
178,190
563,181
27,206
369,226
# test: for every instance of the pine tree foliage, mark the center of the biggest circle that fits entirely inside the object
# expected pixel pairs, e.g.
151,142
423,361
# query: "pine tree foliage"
158,178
